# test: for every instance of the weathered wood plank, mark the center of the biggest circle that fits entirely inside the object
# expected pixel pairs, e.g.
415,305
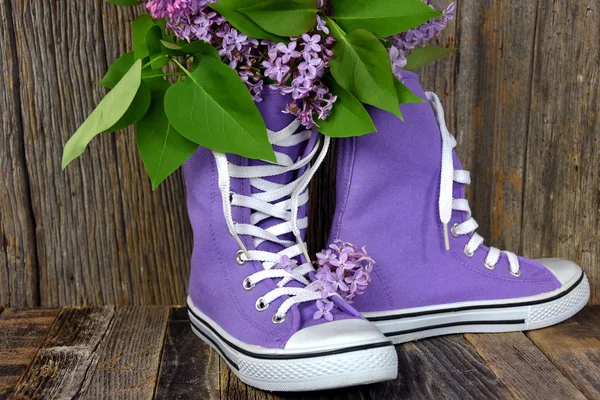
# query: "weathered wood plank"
562,191
445,367
522,367
574,348
160,275
490,110
189,368
103,237
22,332
60,367
129,358
18,259
79,230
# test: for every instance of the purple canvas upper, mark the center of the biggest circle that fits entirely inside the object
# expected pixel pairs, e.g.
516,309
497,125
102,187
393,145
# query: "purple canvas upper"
216,279
387,200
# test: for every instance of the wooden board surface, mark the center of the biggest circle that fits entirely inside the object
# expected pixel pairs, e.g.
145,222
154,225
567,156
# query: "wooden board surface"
521,94
522,367
152,353
574,348
59,369
22,332
129,357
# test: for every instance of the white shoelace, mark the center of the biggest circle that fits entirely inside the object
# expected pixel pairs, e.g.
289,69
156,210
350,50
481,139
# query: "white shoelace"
267,203
448,204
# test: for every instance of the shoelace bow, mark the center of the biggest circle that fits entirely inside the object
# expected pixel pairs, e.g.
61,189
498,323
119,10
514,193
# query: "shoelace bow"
268,203
448,204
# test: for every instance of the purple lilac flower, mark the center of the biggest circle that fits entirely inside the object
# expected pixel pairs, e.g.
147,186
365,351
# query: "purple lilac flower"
345,268
287,264
323,287
325,257
324,310
409,40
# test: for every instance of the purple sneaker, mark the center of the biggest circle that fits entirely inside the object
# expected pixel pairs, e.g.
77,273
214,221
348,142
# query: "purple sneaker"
251,292
400,192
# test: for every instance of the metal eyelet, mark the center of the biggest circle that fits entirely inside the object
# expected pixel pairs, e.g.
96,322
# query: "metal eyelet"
261,305
453,231
240,257
248,284
467,253
489,266
278,319
231,194
516,275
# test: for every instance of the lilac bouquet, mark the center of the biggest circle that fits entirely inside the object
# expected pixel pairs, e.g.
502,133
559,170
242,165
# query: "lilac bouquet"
330,56
344,268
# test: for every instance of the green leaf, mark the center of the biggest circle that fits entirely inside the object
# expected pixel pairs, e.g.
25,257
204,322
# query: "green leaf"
405,95
136,110
117,70
426,55
140,28
362,66
230,10
287,18
124,2
348,117
193,48
382,17
155,48
214,108
110,110
162,148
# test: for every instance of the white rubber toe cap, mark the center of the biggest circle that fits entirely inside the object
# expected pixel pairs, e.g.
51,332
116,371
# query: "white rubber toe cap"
563,270
336,334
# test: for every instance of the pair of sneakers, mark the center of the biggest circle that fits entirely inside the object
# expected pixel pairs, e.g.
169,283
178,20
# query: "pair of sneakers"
254,295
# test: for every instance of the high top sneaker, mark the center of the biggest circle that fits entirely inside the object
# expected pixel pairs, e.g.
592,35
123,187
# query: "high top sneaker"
250,292
400,193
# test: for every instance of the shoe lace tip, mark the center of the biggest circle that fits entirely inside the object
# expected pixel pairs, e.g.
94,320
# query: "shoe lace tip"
446,239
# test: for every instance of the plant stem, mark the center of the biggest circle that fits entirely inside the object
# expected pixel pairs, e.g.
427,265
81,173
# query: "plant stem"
154,59
181,67
162,75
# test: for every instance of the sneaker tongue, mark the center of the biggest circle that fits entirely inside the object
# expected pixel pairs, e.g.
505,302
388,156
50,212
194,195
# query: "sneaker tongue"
271,109
424,114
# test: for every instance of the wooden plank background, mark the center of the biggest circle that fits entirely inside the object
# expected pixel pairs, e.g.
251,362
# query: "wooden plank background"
522,97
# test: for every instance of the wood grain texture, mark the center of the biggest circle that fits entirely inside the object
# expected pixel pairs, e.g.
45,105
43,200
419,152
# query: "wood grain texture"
189,368
562,187
18,259
103,237
22,332
574,348
60,368
521,96
487,104
444,367
522,367
129,357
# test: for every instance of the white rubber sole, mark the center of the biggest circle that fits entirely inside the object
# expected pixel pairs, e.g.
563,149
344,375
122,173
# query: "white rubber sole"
291,371
519,314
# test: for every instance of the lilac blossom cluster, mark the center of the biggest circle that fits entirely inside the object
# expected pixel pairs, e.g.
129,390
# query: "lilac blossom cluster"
343,268
192,20
297,69
409,40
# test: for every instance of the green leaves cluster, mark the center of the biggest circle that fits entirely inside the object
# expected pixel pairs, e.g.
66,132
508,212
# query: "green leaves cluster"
360,69
210,106
206,103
